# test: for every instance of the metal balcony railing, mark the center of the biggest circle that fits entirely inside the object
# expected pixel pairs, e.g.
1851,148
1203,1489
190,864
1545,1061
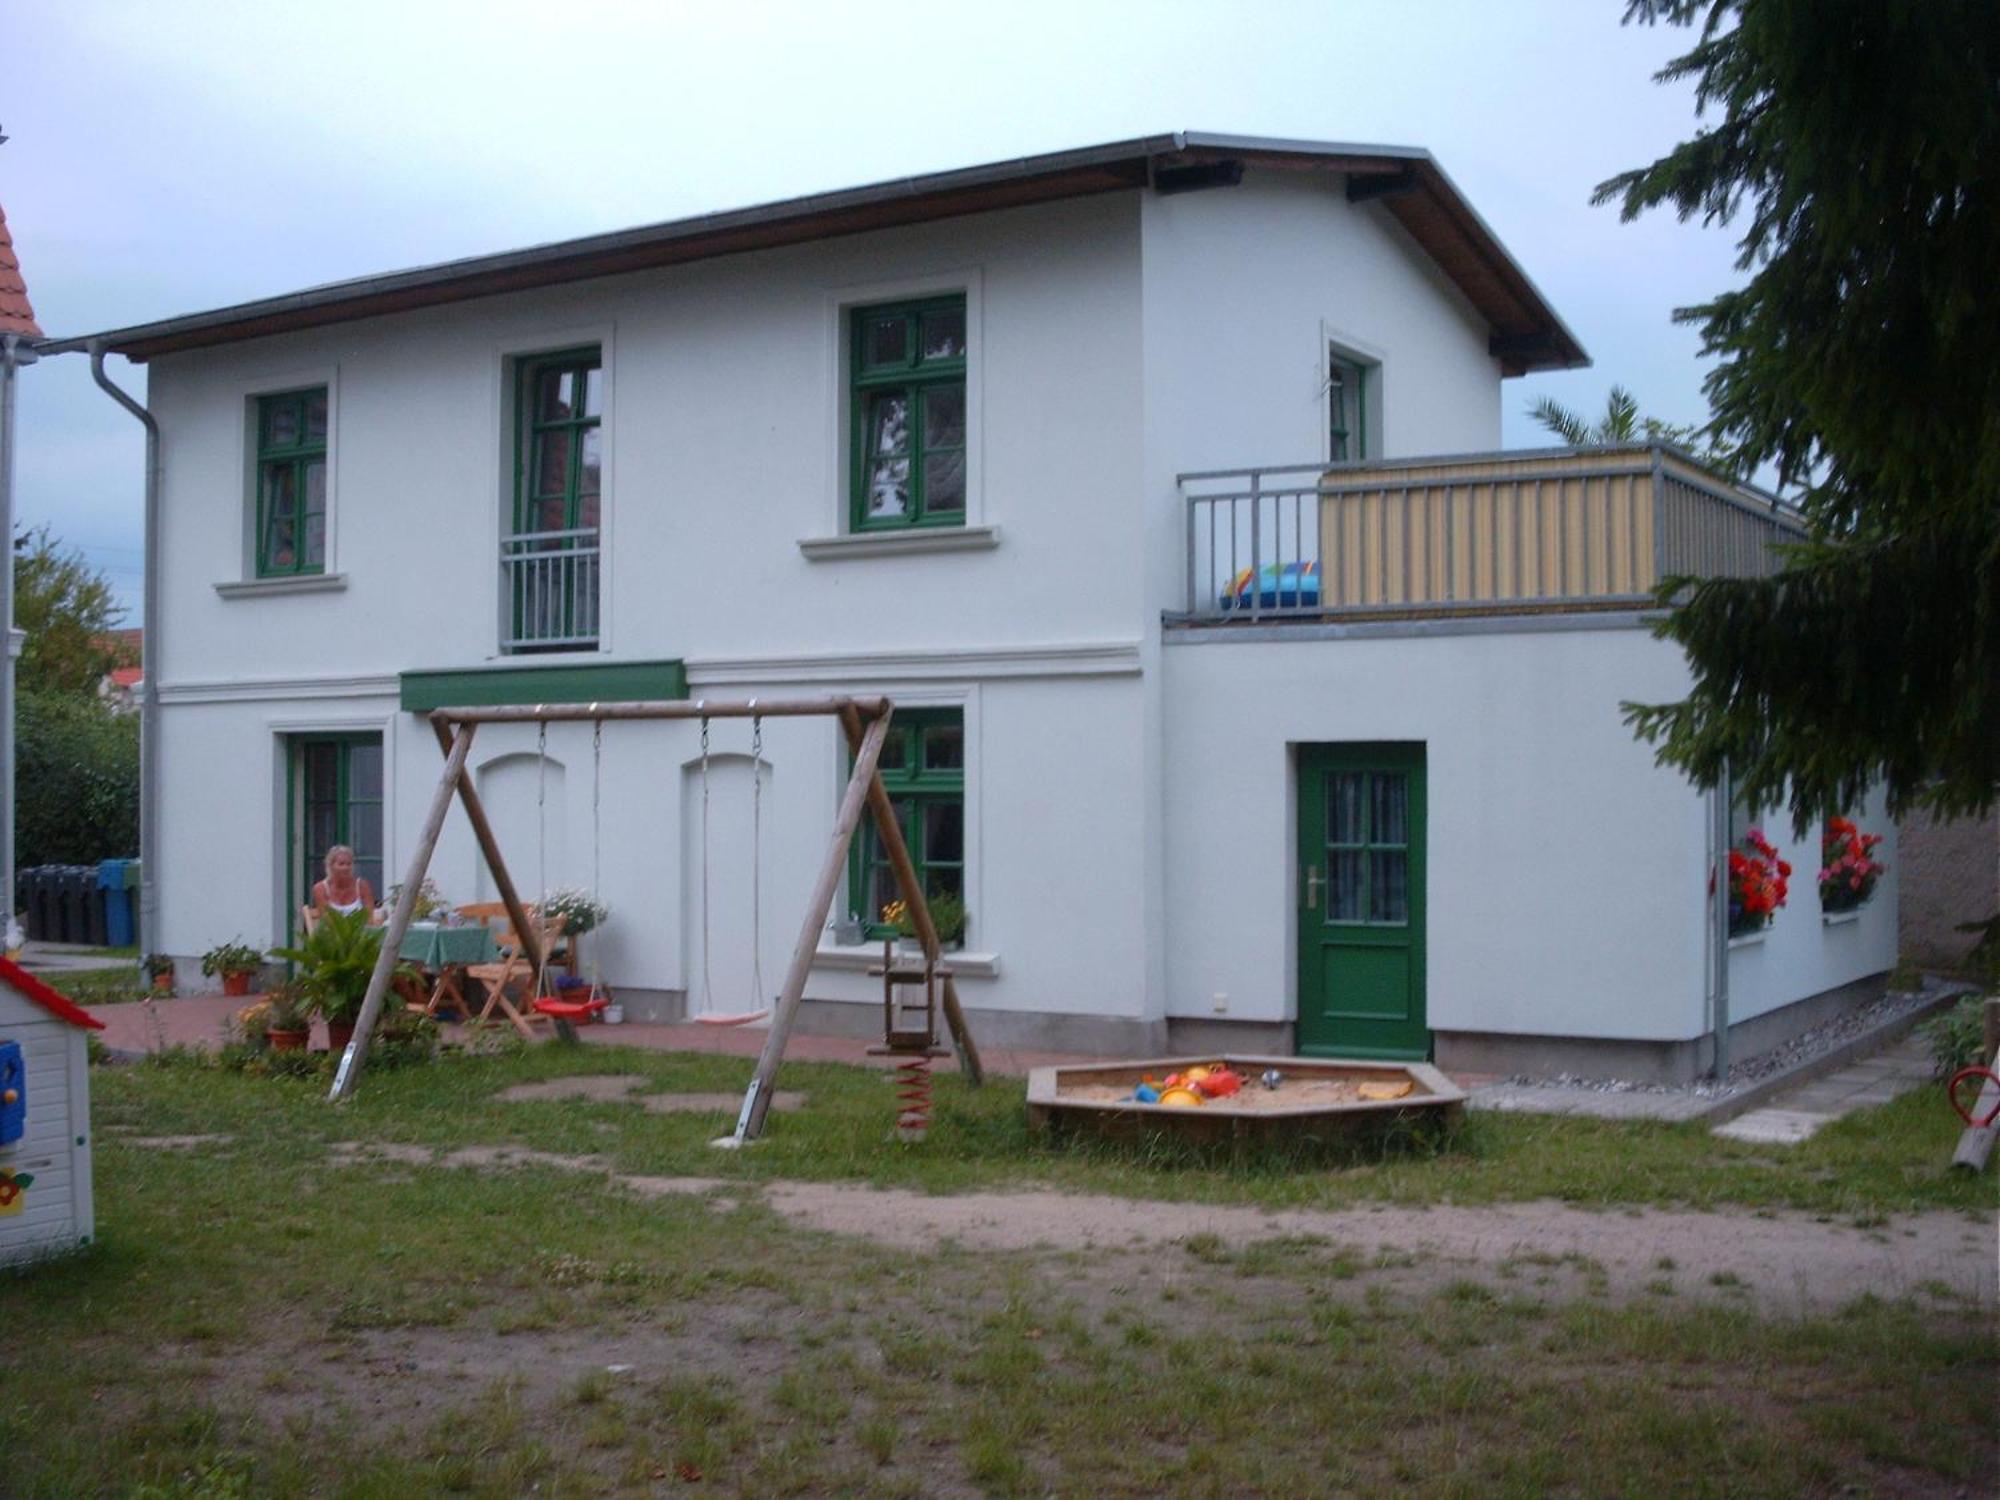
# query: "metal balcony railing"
549,590
1545,530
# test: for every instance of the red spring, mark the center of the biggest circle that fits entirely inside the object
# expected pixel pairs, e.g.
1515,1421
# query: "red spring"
913,1097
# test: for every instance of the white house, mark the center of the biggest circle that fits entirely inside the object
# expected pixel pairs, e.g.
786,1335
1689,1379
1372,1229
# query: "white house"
1337,762
45,1186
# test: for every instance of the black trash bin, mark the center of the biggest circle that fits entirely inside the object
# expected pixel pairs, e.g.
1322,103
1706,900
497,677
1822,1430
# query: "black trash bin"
41,902
92,898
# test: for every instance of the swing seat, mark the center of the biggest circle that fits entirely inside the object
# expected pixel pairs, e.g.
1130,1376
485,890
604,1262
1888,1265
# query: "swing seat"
742,1018
570,1010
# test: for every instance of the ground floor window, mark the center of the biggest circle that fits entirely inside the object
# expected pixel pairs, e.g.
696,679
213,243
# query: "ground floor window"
923,770
335,798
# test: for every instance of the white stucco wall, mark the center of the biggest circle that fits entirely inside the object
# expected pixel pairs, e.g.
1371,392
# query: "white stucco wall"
1802,954
1565,871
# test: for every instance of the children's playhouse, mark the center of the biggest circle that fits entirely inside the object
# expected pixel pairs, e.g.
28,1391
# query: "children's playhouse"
45,1196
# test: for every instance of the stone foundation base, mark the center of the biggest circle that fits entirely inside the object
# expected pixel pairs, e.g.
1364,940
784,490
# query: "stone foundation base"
1669,1062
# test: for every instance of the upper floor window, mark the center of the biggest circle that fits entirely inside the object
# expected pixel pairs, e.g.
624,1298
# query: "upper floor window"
1347,409
291,483
907,390
551,556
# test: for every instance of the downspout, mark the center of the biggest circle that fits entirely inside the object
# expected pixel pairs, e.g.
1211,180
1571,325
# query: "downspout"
149,681
1718,919
14,352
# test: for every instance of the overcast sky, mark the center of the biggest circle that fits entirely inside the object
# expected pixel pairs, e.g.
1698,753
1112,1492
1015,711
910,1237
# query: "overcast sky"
167,158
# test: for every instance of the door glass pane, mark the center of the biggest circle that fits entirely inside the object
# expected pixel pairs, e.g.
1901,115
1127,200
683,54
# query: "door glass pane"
280,515
555,395
1343,807
281,423
593,392
1388,885
885,341
1390,820
944,832
944,747
552,461
944,334
364,773
322,773
895,751
549,514
888,454
591,480
1343,885
316,416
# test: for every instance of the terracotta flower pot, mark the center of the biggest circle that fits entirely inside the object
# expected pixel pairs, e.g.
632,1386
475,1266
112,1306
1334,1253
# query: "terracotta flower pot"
288,1041
236,982
339,1034
163,983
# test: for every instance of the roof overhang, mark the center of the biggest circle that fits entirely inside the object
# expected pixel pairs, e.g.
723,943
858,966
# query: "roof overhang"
1525,333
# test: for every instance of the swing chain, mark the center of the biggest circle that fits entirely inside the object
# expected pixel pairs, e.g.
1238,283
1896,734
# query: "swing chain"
707,988
756,858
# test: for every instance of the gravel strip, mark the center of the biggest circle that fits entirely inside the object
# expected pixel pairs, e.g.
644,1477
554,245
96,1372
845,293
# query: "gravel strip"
1806,1045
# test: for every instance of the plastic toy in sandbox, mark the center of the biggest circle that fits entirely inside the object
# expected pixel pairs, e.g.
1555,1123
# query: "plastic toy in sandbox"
1238,1098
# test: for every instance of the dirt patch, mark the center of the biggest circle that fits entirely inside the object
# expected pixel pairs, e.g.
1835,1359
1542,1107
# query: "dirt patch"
177,1142
1786,1262
622,1087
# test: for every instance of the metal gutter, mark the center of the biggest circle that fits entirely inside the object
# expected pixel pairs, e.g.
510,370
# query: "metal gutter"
149,683
15,351
1456,231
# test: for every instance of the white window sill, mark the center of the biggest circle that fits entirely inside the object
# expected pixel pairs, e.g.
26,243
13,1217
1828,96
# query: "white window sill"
1749,939
916,541
859,958
264,588
1839,918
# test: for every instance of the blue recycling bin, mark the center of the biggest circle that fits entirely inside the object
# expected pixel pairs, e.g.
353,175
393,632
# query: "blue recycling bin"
117,902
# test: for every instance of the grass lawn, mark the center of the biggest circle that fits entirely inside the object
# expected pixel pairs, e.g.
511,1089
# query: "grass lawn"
259,1318
112,985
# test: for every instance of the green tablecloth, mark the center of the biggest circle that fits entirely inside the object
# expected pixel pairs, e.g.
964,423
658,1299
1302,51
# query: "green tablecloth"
436,947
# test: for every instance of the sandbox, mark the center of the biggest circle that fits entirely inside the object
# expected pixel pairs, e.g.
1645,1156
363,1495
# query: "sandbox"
1316,1097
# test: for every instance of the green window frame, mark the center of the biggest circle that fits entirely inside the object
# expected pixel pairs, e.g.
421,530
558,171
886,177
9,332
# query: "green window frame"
907,419
923,771
1346,409
291,483
552,556
334,796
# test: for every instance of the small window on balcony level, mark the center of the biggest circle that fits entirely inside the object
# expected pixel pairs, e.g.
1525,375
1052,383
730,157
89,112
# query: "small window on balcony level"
550,559
1346,409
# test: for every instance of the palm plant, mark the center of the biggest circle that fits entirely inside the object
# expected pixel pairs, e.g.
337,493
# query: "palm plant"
336,961
1622,423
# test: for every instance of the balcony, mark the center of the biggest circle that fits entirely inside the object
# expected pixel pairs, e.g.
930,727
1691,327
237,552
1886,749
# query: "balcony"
1541,531
549,591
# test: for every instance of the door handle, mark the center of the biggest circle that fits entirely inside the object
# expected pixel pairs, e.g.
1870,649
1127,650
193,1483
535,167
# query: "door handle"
1312,887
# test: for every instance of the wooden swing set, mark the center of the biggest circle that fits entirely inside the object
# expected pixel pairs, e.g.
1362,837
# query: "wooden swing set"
866,724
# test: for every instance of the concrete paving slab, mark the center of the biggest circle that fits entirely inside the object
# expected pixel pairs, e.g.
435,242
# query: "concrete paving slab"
1779,1127
1795,1115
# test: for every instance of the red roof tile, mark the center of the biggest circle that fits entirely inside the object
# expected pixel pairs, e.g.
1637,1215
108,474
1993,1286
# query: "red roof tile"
17,315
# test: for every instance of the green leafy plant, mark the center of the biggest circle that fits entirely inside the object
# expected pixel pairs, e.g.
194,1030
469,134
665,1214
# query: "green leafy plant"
158,965
336,961
285,1008
1957,1037
948,915
231,958
430,900
580,911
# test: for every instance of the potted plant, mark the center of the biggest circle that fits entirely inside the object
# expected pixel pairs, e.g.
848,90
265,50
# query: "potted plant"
282,1020
1848,867
580,911
1759,881
948,916
159,969
430,903
235,962
336,961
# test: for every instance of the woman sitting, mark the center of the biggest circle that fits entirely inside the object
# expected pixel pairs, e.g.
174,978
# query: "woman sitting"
342,890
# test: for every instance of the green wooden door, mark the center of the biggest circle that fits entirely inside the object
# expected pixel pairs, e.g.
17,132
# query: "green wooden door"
1361,901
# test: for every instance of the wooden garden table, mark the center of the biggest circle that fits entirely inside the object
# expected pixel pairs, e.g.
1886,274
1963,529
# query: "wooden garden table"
446,952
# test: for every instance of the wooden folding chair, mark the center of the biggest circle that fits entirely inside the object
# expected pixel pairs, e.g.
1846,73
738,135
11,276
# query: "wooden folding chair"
514,968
